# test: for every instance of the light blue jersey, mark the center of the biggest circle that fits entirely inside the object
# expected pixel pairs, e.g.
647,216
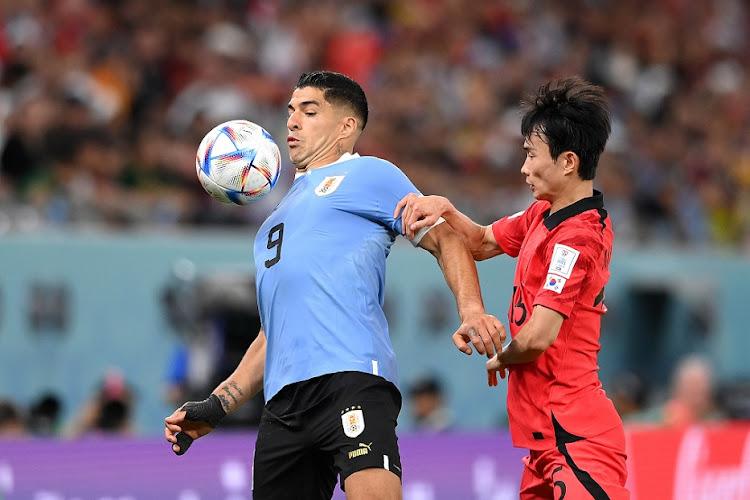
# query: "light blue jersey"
320,272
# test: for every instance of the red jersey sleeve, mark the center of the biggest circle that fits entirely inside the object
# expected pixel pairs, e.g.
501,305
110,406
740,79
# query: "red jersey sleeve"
510,231
571,262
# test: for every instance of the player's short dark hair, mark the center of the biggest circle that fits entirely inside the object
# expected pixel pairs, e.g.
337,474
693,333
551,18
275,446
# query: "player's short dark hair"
426,385
572,116
339,90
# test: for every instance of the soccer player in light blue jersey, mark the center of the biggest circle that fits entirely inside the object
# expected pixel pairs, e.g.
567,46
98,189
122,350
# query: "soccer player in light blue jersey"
324,357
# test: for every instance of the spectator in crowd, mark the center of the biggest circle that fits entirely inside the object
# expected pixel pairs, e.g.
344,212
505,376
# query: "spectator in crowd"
692,396
427,404
110,409
628,393
11,420
44,415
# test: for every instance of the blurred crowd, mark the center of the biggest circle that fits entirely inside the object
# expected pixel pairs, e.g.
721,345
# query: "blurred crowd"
692,396
103,102
107,410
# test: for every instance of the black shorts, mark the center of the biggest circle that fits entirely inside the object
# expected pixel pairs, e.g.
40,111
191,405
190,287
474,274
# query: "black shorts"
314,430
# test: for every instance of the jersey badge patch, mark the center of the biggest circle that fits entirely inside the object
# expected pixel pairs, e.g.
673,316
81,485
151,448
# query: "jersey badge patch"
353,421
554,283
563,260
329,185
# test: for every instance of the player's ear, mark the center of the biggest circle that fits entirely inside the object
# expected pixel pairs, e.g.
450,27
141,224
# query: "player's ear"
348,126
571,162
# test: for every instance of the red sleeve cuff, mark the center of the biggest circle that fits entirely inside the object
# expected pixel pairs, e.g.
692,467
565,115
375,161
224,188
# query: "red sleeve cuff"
501,241
550,303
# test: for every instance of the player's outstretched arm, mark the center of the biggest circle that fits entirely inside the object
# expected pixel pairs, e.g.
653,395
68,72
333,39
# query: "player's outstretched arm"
419,211
195,419
484,331
529,343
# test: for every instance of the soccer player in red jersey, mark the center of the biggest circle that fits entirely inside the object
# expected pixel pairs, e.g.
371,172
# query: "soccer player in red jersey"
563,241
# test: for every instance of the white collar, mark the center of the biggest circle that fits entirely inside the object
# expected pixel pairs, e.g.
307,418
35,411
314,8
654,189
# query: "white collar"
344,157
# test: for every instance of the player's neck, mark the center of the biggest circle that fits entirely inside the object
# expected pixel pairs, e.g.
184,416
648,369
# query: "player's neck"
328,158
571,195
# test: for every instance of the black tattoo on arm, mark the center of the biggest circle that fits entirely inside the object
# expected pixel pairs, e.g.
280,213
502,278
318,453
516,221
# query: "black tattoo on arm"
229,393
236,388
224,402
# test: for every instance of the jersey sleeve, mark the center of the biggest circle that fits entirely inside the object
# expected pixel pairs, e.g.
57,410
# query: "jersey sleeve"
383,186
570,260
511,230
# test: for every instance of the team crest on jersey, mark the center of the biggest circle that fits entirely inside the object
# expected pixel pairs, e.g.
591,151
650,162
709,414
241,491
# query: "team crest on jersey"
563,260
353,421
329,185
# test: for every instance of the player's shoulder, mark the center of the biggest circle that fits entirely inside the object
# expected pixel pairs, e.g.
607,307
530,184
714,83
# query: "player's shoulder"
369,169
590,230
587,214
370,163
595,221
536,210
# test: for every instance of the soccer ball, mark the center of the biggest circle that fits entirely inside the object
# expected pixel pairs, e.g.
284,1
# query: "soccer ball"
238,162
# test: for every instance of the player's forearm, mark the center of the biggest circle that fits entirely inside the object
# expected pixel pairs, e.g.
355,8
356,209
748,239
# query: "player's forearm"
520,351
478,239
471,233
461,275
534,338
247,379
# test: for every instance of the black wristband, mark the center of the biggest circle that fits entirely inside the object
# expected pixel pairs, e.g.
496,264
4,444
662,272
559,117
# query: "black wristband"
183,442
209,410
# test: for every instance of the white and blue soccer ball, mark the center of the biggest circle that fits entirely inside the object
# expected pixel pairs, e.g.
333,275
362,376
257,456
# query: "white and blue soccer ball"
238,162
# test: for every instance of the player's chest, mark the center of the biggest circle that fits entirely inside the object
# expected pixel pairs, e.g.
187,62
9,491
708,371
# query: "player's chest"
533,260
530,273
313,198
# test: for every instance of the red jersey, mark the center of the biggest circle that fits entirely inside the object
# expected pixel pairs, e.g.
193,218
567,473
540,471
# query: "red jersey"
563,264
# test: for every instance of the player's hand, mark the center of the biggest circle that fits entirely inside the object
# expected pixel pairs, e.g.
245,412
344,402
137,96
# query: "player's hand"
193,420
419,211
484,331
495,366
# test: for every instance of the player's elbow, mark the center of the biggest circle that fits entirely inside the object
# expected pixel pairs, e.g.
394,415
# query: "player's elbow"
522,349
542,339
484,251
537,346
543,328
479,256
538,340
477,251
483,244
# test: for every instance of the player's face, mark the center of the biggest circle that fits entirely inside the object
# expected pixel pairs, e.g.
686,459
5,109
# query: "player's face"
544,175
314,127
